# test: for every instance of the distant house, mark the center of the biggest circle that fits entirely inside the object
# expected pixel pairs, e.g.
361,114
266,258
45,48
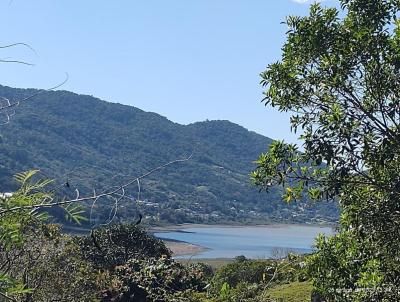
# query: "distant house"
5,195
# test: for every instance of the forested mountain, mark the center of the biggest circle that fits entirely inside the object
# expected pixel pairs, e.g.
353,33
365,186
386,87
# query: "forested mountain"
92,144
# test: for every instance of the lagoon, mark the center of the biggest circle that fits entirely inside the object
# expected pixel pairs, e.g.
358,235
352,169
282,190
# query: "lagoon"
254,242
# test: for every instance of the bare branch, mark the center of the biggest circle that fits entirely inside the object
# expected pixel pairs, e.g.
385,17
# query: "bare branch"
7,297
4,108
19,44
117,192
16,62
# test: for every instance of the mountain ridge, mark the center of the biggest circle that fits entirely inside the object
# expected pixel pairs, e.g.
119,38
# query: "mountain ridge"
92,143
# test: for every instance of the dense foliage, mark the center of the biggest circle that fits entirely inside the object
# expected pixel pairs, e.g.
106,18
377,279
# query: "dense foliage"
91,144
24,239
48,266
124,263
155,280
339,78
109,247
259,281
37,262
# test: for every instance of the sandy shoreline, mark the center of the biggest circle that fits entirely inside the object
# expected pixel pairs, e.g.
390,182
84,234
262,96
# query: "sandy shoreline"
179,227
181,248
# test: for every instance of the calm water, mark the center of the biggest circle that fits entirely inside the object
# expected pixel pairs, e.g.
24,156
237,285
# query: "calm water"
252,242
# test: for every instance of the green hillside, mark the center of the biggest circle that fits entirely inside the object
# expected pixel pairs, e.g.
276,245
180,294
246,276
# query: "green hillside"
93,144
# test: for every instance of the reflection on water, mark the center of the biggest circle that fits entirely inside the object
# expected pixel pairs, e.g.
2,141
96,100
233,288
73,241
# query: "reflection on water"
252,242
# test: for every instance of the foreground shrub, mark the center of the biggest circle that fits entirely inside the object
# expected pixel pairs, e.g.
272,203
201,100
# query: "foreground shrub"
50,267
154,280
266,272
114,245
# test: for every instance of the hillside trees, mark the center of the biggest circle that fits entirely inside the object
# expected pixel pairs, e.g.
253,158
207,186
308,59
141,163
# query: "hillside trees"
339,79
95,144
37,263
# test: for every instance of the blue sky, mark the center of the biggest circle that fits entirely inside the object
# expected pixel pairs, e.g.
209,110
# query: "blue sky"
188,60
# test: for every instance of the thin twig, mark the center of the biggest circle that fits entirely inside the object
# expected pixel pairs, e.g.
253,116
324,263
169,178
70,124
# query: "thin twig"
79,199
8,297
8,105
19,44
16,62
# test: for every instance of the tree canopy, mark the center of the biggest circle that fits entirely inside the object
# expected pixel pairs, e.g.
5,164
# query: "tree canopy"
339,80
